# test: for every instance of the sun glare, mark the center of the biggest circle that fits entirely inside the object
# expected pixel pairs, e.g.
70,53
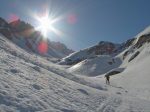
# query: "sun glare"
45,25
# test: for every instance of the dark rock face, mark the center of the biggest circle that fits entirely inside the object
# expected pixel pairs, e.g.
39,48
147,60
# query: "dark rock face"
103,48
142,40
125,54
139,43
6,33
134,56
112,73
128,43
3,23
19,26
60,47
109,48
5,29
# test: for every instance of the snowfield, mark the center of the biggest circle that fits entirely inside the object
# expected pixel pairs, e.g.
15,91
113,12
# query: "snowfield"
95,66
30,83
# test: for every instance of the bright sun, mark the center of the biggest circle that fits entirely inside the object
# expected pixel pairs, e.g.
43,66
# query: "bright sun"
45,25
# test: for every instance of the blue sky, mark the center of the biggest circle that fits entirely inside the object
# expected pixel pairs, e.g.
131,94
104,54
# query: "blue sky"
95,20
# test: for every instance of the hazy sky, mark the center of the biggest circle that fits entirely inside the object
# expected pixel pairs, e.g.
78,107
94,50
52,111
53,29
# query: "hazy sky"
84,22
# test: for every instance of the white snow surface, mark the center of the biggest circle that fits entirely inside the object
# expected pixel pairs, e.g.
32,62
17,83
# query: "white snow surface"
82,54
95,66
29,83
144,32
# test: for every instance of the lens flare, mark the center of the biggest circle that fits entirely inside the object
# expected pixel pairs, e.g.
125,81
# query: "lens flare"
12,17
72,19
43,47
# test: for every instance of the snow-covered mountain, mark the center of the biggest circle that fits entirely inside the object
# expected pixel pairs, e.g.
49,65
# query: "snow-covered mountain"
25,36
105,56
102,48
31,83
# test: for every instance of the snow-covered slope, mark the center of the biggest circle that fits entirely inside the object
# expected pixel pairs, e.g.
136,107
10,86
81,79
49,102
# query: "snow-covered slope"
136,77
30,83
97,66
132,84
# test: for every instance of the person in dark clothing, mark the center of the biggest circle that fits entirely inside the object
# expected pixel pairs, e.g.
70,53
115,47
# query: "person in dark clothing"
107,79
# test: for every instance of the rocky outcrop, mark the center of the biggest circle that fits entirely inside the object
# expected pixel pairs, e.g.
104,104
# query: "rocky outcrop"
103,48
142,40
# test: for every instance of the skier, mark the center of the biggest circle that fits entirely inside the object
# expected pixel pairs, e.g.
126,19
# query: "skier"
107,79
